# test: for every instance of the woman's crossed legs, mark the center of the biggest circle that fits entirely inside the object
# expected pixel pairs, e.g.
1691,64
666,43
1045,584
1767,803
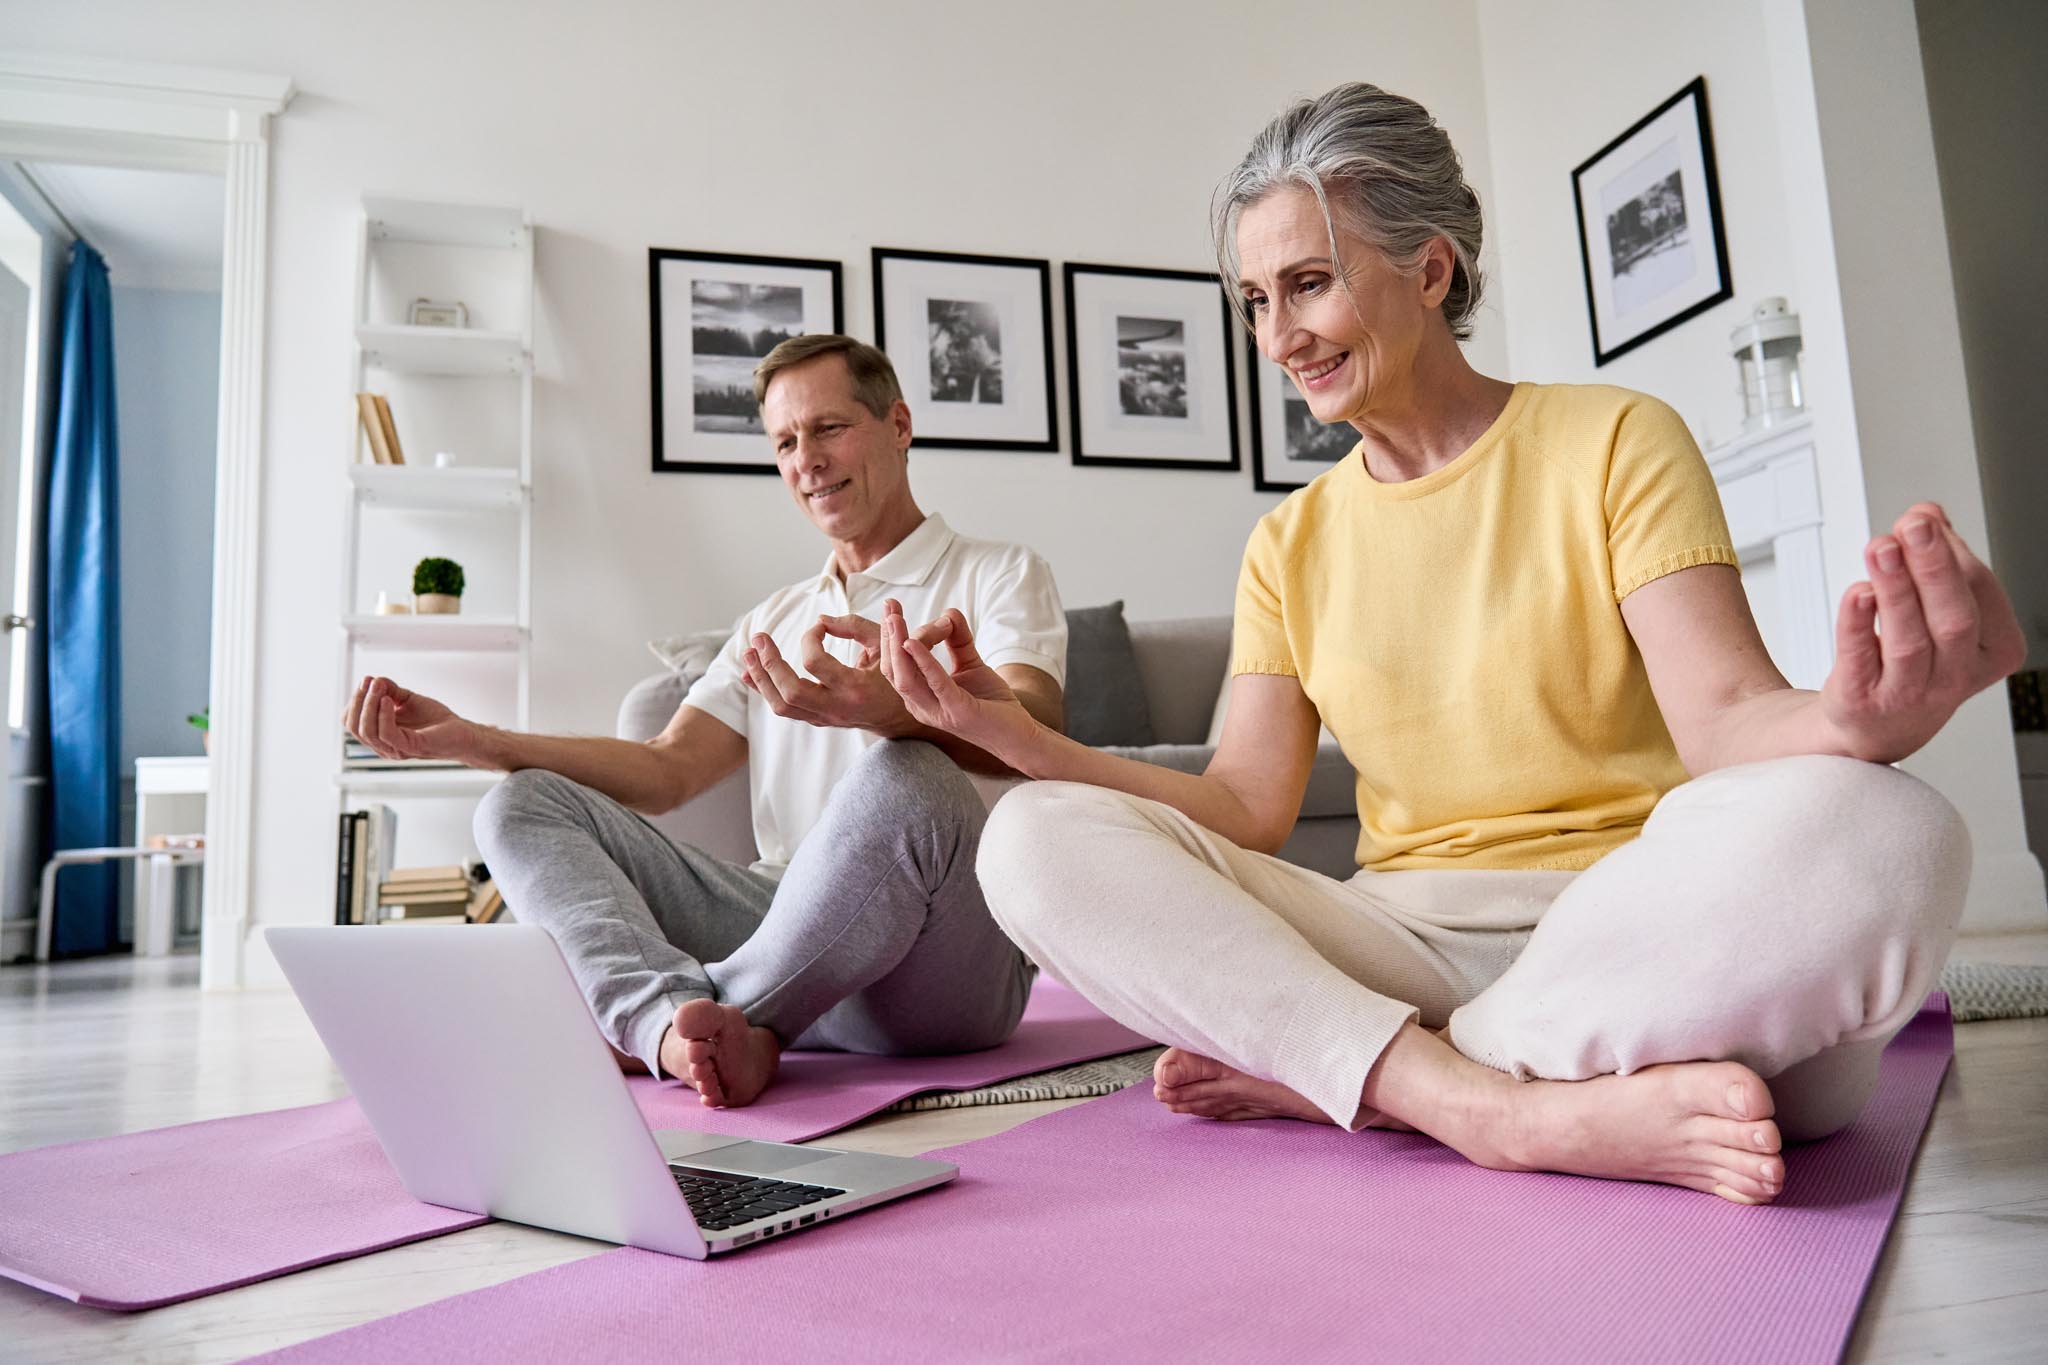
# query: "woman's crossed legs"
1779,920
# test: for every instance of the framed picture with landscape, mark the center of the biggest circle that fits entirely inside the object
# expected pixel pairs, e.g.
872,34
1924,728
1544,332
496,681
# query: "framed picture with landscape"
713,317
1150,380
1651,242
1289,446
971,339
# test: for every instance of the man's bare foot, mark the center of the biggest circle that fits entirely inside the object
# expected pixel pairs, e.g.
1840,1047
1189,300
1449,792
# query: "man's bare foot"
1703,1125
1188,1083
715,1049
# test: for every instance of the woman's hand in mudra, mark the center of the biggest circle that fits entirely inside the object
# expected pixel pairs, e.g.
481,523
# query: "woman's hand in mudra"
970,700
1931,629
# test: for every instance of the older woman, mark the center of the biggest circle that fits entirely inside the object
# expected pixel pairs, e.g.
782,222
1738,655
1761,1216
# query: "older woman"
1629,905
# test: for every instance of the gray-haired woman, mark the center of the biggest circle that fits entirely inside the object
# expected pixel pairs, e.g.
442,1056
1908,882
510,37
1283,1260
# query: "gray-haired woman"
1629,905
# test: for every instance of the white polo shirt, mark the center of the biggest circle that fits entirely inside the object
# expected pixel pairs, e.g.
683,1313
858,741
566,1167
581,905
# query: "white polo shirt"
1011,604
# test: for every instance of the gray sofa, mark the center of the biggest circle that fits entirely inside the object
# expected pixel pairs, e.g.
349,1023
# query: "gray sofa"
1180,666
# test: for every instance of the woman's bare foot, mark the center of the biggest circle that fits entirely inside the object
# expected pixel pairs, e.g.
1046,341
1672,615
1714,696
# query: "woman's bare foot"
1188,1083
1701,1125
715,1049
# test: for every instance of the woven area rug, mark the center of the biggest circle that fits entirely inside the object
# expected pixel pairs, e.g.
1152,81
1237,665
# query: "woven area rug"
1995,990
1086,1080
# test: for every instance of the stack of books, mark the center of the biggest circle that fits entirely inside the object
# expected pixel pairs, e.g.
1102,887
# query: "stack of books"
357,755
439,895
424,895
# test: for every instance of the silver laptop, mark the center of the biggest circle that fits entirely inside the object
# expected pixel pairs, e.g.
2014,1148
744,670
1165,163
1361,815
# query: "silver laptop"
483,1075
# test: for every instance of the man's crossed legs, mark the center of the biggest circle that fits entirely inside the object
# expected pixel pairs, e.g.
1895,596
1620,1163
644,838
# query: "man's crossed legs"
875,940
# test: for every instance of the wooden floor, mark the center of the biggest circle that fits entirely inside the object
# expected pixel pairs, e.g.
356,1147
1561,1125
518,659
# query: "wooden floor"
110,1046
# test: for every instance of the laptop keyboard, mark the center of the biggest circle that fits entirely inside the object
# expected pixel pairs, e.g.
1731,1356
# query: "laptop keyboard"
720,1199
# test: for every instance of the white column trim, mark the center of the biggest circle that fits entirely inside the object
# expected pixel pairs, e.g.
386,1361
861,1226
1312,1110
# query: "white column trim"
237,485
175,117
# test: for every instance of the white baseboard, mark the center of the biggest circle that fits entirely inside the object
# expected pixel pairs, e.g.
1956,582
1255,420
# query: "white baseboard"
17,938
2007,896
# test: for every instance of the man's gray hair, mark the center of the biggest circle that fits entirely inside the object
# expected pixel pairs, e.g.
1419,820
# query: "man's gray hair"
1378,164
874,378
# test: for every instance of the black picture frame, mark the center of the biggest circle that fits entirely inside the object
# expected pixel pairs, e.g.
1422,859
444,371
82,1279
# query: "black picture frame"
947,411
1674,143
1280,415
1203,413
722,442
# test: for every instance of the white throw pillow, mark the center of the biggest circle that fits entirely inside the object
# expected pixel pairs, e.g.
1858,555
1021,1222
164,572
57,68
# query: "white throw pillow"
688,654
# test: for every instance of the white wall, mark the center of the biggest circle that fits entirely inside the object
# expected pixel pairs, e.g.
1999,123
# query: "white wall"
1829,196
166,382
1073,131
1990,114
1563,80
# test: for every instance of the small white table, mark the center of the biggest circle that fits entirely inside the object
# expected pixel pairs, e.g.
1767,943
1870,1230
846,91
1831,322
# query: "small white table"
170,798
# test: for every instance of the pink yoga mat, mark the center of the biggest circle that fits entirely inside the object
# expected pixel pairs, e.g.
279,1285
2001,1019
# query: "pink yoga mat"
820,1092
152,1218
1117,1231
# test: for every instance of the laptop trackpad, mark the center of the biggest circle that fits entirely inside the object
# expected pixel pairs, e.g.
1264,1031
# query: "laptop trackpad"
764,1158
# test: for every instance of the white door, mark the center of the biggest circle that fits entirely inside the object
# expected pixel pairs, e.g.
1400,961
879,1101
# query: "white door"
16,307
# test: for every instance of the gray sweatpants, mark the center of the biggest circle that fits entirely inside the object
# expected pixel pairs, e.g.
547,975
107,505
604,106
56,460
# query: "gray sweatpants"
876,939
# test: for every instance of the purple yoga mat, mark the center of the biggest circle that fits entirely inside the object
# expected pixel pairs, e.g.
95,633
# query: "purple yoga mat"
151,1218
1115,1230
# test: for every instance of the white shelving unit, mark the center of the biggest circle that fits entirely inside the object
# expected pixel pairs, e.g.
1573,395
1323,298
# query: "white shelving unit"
464,377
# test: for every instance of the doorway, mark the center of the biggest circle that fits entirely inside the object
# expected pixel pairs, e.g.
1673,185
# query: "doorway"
160,234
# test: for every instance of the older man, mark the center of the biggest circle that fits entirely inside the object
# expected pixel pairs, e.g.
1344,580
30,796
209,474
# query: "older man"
862,928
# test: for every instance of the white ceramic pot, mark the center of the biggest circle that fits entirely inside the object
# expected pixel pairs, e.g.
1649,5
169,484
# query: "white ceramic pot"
436,604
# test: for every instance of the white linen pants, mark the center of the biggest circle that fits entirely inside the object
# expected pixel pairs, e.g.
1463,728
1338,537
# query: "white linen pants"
1790,915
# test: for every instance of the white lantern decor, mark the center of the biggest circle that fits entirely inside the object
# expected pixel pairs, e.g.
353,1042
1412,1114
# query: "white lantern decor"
1766,352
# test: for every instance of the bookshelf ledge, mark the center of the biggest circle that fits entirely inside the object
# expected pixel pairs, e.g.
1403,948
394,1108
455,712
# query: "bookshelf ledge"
423,486
450,633
427,780
441,350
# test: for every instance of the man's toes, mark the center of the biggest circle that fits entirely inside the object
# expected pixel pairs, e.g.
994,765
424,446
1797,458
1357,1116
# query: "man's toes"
699,1018
704,1077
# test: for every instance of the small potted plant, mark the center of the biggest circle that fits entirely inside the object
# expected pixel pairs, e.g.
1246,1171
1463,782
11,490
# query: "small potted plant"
437,587
201,720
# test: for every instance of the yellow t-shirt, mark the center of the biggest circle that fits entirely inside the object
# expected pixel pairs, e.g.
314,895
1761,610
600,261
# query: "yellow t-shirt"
1461,633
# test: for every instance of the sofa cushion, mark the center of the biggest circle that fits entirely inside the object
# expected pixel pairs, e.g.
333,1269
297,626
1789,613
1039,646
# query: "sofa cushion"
651,705
1105,696
1181,661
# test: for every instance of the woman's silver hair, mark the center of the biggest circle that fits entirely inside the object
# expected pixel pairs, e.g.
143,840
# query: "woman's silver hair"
1378,164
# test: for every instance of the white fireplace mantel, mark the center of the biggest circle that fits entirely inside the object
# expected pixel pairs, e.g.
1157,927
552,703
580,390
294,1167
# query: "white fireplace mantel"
1770,490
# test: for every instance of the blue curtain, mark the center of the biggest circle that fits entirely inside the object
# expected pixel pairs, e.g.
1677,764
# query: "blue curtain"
82,611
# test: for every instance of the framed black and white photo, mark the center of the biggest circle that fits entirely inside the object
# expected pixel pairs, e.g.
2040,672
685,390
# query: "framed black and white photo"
1650,234
714,316
1289,446
1150,381
971,339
